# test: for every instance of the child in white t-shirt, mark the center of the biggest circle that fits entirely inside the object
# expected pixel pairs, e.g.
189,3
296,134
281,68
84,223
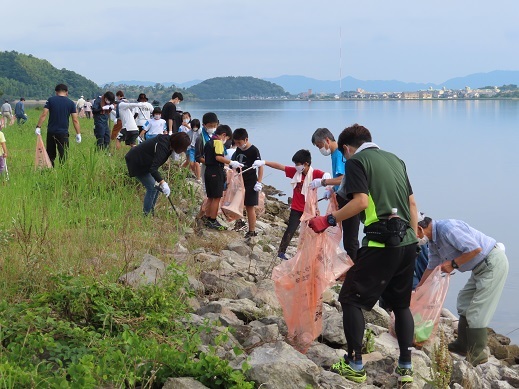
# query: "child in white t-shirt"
193,133
186,122
155,126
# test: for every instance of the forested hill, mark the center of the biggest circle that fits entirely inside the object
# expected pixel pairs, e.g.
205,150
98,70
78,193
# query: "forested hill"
236,88
34,78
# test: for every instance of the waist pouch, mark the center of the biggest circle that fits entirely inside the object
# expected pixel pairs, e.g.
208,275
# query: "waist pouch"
391,232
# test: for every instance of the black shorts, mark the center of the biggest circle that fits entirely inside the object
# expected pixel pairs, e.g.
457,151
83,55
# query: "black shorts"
380,272
251,196
121,136
214,181
131,137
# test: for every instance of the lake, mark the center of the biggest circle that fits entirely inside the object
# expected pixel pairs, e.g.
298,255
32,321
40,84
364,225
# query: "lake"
460,156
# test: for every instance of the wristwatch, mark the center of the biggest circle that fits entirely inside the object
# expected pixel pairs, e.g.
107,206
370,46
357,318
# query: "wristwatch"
454,264
331,220
323,182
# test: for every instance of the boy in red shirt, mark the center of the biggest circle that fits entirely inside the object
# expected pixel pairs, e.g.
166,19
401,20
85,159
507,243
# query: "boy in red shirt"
302,175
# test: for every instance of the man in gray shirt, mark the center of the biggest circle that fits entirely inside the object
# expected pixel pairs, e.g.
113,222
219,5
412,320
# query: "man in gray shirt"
7,113
453,244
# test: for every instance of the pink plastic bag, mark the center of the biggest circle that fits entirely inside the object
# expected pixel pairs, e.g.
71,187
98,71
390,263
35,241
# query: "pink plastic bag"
260,208
41,159
426,306
300,281
234,196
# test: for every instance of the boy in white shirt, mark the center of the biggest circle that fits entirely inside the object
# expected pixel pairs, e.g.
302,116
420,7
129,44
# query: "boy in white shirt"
155,126
143,113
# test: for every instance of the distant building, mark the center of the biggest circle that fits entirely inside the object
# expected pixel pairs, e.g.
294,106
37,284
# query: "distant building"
410,95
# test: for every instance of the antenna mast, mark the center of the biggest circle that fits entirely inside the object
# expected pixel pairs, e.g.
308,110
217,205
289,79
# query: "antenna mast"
340,61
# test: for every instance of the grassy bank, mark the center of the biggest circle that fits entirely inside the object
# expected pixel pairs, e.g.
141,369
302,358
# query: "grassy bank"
66,235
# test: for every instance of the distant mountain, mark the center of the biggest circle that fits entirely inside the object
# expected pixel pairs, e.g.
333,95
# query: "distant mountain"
34,78
298,84
186,84
236,88
479,80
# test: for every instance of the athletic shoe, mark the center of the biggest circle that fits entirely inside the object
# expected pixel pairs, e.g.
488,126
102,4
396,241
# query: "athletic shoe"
405,375
282,256
344,369
215,225
239,225
250,235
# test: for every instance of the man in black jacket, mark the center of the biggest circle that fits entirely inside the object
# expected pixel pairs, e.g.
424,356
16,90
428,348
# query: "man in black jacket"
144,160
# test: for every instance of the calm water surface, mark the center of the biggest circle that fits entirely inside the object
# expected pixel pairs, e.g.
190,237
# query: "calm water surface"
460,155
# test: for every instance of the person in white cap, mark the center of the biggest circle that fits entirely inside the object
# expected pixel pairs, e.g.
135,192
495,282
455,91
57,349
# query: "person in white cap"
454,244
80,107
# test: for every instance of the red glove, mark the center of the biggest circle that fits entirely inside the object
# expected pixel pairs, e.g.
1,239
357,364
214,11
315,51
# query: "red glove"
319,223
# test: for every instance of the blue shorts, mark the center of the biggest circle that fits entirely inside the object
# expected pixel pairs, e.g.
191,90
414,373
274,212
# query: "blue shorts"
191,154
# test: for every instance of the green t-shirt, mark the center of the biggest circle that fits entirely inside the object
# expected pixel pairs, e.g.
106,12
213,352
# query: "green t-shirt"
383,177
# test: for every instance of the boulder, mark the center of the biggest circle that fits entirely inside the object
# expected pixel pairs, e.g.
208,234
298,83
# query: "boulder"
240,247
263,294
323,355
183,383
279,365
150,271
333,332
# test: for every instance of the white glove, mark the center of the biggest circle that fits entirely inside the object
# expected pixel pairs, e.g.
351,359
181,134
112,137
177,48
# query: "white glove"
38,131
78,138
258,163
105,107
328,193
258,186
235,164
164,188
317,183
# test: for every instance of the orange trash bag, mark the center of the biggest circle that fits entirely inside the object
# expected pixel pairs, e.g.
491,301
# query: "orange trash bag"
234,196
300,282
426,306
41,159
260,208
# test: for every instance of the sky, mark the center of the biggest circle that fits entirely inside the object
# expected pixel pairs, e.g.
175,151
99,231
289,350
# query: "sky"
180,41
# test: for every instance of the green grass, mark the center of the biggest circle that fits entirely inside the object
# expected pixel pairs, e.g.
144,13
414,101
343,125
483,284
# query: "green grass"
82,217
66,235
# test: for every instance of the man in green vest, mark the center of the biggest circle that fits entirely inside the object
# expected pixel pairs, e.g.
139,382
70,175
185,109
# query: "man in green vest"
378,188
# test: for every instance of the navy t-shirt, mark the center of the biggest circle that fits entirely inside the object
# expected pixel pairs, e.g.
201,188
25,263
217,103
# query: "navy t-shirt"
60,108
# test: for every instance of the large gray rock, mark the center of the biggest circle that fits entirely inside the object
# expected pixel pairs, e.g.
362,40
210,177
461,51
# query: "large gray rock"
263,294
511,376
183,383
323,355
333,332
279,365
150,271
244,309
250,336
239,247
464,374
377,316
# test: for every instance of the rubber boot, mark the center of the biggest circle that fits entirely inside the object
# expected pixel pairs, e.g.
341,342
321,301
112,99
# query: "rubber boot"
459,346
476,343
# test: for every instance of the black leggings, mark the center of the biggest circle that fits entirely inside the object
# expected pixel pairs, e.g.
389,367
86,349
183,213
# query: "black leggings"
353,323
292,224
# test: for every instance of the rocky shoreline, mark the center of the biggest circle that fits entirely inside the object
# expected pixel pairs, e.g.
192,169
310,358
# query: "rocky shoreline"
234,289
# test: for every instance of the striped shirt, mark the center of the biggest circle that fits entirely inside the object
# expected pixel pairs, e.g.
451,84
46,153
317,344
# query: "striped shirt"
452,238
